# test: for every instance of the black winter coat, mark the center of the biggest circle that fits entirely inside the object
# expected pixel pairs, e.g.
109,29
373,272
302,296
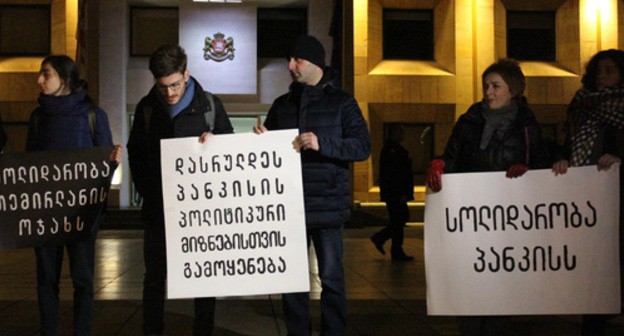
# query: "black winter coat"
335,118
144,142
462,153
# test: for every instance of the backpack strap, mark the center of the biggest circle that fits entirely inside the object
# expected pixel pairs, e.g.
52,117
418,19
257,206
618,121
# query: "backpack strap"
209,115
92,120
36,115
147,116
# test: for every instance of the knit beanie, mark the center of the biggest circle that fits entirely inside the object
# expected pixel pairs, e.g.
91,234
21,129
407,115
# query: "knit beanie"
309,48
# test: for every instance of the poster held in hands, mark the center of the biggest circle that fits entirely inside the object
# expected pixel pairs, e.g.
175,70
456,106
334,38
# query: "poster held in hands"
538,244
234,215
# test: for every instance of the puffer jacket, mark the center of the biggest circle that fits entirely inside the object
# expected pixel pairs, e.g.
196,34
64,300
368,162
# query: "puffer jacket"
463,154
335,118
62,122
144,142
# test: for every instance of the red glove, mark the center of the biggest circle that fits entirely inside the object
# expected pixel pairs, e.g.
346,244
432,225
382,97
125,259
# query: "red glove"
434,174
517,170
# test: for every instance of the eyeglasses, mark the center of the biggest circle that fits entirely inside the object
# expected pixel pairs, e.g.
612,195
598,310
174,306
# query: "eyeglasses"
175,86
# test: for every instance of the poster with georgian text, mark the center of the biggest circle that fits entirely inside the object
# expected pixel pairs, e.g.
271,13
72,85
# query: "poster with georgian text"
537,244
234,215
52,197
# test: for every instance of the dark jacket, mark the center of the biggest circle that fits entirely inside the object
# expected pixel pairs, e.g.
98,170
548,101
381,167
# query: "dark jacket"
396,179
62,122
586,103
609,139
462,153
335,118
145,136
3,137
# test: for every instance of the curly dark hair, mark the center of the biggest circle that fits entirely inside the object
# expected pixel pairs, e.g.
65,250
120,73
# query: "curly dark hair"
167,60
591,70
510,70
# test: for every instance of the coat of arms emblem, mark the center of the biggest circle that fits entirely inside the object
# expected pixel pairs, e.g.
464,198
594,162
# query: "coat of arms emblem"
219,48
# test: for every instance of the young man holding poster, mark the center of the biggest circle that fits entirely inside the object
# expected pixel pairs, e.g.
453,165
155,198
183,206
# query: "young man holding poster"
499,133
176,106
332,133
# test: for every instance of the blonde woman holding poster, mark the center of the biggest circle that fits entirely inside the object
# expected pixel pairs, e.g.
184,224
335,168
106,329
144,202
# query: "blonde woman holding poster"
499,133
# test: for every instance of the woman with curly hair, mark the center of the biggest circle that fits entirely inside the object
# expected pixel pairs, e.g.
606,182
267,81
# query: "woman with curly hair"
595,135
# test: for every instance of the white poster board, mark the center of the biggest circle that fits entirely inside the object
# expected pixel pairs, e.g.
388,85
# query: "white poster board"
234,215
538,244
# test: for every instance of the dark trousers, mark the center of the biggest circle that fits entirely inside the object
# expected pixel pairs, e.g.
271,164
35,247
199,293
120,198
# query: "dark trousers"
329,250
398,214
154,283
49,264
596,325
482,325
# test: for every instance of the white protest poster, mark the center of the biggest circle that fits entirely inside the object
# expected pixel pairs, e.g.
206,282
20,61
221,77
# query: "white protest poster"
234,215
538,244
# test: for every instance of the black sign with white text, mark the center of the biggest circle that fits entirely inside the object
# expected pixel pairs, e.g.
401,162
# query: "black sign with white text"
52,197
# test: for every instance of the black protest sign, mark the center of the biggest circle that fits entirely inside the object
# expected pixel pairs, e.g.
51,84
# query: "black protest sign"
52,197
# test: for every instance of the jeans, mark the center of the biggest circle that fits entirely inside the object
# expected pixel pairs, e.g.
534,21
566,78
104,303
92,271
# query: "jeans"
329,250
154,283
81,263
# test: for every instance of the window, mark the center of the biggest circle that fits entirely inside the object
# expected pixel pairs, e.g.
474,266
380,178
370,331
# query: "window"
277,30
152,27
25,30
407,34
531,35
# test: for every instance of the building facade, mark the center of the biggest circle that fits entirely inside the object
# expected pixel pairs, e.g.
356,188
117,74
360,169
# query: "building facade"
425,93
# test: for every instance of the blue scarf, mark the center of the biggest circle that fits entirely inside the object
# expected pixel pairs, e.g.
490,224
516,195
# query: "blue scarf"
185,101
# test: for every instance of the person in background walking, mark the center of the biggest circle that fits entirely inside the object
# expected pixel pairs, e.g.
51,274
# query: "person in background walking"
396,188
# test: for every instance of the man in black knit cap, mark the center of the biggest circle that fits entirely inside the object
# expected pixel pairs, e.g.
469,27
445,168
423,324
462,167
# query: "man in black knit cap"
332,134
